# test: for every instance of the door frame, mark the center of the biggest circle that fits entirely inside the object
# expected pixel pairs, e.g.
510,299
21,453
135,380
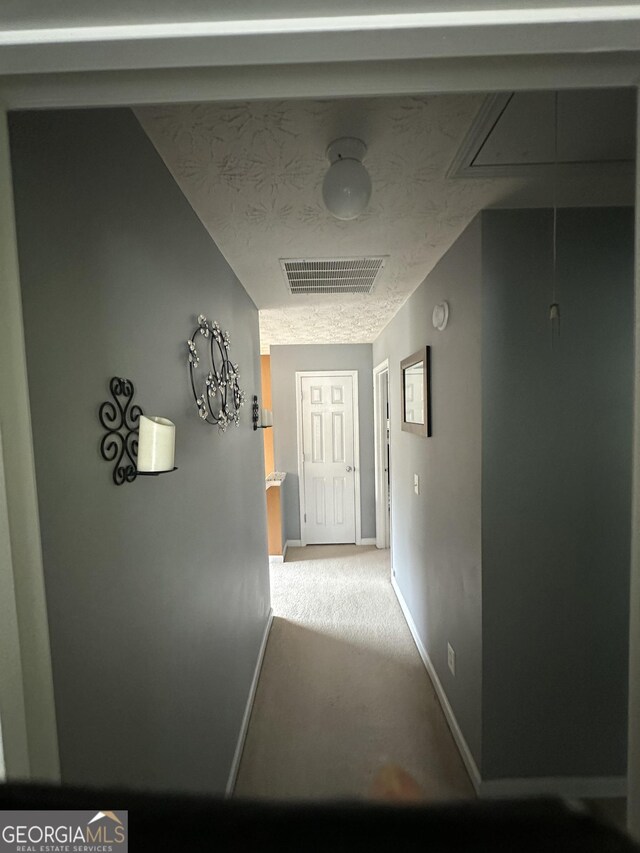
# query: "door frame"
382,487
27,705
323,374
563,57
14,757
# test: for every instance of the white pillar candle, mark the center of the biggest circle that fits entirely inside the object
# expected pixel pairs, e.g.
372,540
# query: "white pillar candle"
265,418
156,444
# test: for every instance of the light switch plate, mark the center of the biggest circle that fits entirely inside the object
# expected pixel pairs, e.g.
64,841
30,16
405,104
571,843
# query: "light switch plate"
416,484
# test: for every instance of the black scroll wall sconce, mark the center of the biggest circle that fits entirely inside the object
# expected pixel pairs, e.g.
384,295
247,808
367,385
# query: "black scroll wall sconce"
261,419
137,445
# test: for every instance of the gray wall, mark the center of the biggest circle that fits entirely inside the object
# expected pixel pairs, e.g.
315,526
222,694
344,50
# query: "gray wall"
157,591
436,535
517,549
285,361
633,794
556,492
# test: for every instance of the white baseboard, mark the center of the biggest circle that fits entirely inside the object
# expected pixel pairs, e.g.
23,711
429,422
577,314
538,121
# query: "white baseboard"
463,746
580,787
297,543
237,756
279,558
567,787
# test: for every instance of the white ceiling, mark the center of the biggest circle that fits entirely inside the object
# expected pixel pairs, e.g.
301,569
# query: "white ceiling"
253,173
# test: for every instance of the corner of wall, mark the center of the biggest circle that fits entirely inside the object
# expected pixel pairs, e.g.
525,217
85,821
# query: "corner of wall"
33,715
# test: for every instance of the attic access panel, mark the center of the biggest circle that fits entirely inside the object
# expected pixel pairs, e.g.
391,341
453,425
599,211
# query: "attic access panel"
331,275
513,135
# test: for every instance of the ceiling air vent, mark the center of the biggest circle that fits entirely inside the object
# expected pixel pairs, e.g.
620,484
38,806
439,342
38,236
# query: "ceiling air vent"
331,275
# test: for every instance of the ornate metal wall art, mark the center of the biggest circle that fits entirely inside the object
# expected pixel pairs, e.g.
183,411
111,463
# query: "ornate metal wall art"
217,394
120,419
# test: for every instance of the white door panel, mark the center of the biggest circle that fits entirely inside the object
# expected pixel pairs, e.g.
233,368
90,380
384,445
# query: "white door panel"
328,447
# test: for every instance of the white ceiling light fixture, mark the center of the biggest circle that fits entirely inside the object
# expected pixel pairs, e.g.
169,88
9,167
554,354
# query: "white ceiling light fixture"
346,189
440,316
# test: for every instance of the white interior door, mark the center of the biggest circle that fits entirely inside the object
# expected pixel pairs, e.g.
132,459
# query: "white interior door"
328,447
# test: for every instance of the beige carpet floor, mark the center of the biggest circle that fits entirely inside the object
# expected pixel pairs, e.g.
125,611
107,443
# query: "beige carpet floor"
343,692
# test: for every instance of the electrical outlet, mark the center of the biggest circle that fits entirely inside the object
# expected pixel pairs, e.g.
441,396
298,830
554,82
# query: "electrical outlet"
451,659
416,484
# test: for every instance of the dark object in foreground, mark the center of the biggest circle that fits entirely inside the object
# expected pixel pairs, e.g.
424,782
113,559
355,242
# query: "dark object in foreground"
191,824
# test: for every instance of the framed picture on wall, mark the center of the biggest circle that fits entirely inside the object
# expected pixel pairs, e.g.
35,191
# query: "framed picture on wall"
415,385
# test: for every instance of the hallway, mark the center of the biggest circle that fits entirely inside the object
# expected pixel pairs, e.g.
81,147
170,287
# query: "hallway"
343,691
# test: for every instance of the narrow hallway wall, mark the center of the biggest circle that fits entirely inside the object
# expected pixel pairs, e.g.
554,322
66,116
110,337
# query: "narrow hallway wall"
436,535
158,590
633,808
556,492
516,551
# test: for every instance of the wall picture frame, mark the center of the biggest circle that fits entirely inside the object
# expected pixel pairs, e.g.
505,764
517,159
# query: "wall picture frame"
415,389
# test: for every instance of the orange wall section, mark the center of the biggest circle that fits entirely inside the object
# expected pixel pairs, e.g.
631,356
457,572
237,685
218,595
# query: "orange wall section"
274,522
274,510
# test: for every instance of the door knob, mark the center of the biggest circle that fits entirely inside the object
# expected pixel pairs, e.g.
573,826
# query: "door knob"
349,468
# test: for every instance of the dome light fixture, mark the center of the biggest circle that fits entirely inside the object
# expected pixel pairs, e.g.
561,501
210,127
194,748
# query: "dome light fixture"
440,316
346,188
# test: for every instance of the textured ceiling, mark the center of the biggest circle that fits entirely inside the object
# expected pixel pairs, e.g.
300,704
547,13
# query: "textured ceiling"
253,174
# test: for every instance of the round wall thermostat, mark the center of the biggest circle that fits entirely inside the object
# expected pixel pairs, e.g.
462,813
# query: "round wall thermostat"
440,316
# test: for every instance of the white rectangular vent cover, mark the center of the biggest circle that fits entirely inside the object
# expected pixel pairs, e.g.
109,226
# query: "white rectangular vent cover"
331,275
